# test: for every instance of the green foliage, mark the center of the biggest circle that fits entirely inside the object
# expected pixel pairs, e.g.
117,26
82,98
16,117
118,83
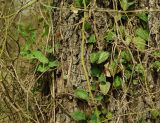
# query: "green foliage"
110,36
156,65
78,115
94,118
92,39
142,33
126,57
39,56
82,94
79,3
143,16
117,83
95,71
28,33
98,98
109,115
140,43
155,114
99,57
105,87
156,53
125,4
102,78
139,68
87,26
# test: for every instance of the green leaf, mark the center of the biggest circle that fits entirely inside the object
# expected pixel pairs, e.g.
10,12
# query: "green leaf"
27,54
125,4
78,115
155,114
92,39
87,26
143,16
42,68
125,56
98,98
156,65
95,71
79,3
94,57
104,87
54,63
110,36
140,43
94,118
38,55
102,78
156,53
139,68
128,39
127,73
103,56
117,82
82,94
142,120
109,115
144,34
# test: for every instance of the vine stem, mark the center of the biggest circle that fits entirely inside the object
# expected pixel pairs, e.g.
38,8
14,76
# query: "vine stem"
83,61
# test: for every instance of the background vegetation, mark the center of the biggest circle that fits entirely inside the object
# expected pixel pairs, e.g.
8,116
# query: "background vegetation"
91,61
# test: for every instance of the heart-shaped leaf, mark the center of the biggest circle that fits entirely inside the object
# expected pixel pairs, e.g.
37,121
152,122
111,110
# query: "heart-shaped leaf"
103,56
117,82
143,33
104,87
82,94
78,115
94,57
139,43
38,55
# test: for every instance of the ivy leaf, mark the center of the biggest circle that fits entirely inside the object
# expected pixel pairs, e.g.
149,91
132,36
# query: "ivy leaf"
54,63
102,78
143,16
98,98
104,87
78,115
109,115
94,57
82,94
117,82
87,26
139,68
125,4
156,65
110,36
42,68
38,55
92,39
125,56
103,56
155,114
140,43
95,71
144,34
